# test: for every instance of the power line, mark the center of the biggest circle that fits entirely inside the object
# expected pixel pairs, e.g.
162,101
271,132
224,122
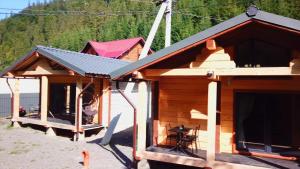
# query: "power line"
80,13
197,16
103,14
143,1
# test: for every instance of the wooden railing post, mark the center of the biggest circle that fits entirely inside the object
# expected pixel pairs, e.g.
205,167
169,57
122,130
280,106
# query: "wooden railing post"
211,121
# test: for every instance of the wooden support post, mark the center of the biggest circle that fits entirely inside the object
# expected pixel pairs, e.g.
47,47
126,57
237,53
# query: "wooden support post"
78,116
109,102
211,121
68,95
100,106
106,102
44,98
16,100
142,116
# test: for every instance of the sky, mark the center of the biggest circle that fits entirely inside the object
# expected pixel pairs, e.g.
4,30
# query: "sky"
18,4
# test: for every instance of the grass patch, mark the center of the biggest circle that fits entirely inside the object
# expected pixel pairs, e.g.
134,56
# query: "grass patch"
35,145
9,127
19,142
17,151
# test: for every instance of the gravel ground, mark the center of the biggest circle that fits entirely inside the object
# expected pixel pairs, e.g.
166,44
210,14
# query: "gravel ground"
29,148
24,148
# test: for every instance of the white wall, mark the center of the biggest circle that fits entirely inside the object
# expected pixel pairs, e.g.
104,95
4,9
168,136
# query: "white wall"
26,86
120,105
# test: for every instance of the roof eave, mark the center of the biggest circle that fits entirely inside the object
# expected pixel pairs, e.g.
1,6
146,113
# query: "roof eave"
183,44
24,57
212,32
64,63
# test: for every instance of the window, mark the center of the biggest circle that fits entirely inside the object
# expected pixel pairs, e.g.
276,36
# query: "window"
253,53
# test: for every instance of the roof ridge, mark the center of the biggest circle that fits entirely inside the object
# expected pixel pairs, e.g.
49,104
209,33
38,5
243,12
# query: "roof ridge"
70,51
117,40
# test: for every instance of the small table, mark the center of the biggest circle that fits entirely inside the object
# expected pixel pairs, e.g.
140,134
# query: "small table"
181,132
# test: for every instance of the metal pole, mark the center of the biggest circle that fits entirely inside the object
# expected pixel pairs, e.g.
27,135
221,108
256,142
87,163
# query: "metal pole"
168,23
153,30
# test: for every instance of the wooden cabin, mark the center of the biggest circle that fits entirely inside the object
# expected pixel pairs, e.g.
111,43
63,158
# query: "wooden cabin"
239,81
74,89
124,49
127,50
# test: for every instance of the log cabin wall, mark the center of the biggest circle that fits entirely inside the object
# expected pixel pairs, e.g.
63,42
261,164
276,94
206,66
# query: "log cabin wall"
133,54
229,85
183,100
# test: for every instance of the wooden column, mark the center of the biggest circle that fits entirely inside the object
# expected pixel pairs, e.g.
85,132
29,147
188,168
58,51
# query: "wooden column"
106,101
109,102
78,116
211,121
100,106
16,100
98,94
142,116
68,95
44,98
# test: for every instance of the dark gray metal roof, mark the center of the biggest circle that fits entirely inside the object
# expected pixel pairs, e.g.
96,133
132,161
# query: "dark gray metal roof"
80,63
260,15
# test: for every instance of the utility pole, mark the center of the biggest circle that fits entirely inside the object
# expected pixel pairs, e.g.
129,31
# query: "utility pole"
165,8
168,24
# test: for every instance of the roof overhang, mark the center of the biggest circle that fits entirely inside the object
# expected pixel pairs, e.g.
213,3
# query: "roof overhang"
276,21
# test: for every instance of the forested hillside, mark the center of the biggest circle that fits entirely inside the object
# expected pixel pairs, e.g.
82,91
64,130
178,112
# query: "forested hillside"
69,24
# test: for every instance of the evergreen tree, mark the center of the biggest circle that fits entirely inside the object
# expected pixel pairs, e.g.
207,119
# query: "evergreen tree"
96,21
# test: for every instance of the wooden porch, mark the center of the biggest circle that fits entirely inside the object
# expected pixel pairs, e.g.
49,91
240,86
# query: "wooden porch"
223,160
68,100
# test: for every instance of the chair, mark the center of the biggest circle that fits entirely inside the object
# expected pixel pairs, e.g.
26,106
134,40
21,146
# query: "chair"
190,139
170,135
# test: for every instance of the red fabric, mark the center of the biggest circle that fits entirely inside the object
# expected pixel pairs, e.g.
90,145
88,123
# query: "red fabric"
114,49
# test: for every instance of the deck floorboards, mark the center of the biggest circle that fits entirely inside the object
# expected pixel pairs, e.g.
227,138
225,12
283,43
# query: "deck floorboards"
232,158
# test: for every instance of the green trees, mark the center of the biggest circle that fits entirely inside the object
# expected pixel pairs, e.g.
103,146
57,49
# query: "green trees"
70,24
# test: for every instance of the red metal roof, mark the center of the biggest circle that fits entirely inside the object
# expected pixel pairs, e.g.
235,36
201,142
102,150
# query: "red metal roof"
113,49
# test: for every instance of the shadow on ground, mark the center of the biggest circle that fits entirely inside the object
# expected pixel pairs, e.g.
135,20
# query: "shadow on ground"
122,138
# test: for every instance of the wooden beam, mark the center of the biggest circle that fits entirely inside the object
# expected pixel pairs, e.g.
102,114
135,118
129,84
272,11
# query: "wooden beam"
174,72
36,54
71,72
211,44
262,71
16,99
211,121
78,115
9,74
142,116
44,98
41,72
